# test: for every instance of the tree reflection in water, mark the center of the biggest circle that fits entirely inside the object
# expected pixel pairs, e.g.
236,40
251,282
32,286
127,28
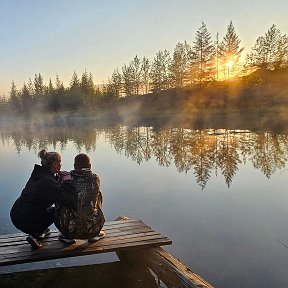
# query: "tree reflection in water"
202,151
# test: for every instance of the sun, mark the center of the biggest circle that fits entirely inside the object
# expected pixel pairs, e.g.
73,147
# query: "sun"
229,64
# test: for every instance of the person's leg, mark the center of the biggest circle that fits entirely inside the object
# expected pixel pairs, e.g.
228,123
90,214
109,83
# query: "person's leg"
99,236
63,238
40,229
46,220
34,242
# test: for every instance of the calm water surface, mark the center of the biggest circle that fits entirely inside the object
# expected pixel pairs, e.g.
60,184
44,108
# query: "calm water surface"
220,195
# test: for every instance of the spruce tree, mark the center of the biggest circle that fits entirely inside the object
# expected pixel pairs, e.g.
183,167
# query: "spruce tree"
230,52
204,52
14,98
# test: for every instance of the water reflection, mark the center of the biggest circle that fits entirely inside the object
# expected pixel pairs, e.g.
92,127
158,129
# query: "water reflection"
202,151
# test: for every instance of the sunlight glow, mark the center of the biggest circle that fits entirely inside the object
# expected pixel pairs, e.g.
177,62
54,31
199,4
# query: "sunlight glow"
229,64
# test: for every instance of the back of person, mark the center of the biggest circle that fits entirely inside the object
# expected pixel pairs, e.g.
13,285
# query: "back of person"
32,212
87,220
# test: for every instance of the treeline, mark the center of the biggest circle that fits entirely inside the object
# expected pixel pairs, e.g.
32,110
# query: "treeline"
36,96
203,61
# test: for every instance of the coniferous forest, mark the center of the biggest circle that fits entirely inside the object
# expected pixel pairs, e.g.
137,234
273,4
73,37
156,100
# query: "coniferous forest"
207,73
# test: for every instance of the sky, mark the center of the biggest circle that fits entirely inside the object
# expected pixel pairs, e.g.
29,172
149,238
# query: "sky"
58,37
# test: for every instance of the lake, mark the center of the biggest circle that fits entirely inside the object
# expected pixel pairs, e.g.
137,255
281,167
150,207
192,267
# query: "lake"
220,195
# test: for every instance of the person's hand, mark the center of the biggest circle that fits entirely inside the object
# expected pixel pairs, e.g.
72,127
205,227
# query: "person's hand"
65,175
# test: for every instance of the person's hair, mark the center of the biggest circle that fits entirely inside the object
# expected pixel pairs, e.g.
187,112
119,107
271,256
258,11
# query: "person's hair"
82,161
48,158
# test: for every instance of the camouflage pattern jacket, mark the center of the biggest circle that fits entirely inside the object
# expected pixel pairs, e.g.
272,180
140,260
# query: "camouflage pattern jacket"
87,219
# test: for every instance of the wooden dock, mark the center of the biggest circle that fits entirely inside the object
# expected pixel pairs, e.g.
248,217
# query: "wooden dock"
131,239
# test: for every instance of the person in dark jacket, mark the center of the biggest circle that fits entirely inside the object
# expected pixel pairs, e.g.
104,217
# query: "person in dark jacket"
87,220
32,212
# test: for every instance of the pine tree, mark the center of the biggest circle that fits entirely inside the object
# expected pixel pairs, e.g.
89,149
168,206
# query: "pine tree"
59,87
84,83
230,52
76,96
159,74
217,54
26,100
270,51
114,86
30,87
179,65
59,99
145,68
38,86
128,79
87,87
3,104
14,98
75,82
203,62
50,88
136,74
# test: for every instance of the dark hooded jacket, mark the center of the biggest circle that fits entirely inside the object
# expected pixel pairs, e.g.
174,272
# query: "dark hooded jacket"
29,212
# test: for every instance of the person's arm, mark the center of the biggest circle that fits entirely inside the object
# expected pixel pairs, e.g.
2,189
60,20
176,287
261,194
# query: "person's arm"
64,193
69,194
99,197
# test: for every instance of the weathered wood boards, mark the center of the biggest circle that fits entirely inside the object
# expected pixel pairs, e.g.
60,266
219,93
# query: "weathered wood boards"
171,271
112,274
120,235
131,239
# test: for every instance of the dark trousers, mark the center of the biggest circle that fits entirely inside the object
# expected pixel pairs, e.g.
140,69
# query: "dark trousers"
34,226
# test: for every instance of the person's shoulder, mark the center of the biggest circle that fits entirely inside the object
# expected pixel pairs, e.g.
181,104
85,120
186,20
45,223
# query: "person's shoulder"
48,182
72,172
94,175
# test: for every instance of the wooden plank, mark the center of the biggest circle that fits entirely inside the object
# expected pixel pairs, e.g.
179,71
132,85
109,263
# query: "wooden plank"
81,244
109,234
171,271
34,257
115,274
122,237
168,269
126,234
107,226
132,228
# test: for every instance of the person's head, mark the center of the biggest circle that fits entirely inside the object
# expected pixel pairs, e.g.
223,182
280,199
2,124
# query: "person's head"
51,160
82,161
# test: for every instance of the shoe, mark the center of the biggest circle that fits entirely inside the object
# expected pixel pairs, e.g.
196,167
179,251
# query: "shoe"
33,242
97,237
44,234
66,240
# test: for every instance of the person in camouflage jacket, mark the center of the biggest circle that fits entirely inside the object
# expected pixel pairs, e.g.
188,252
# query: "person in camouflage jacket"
87,220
